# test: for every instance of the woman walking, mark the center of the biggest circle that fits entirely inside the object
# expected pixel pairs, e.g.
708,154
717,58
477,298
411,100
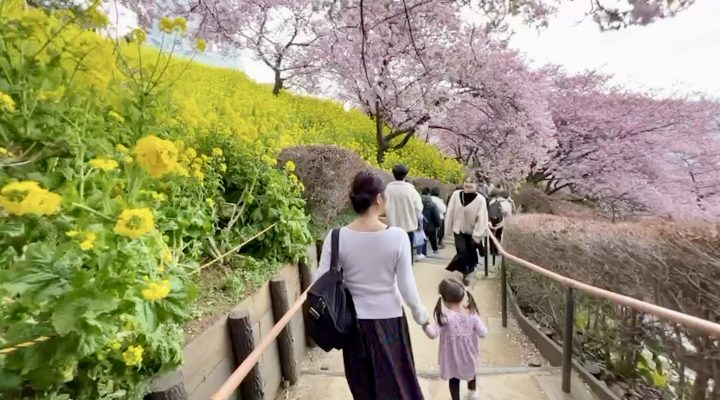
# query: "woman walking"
467,219
376,263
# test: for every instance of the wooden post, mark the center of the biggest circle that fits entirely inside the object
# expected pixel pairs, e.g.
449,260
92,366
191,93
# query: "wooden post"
168,387
280,305
243,343
503,289
306,276
568,339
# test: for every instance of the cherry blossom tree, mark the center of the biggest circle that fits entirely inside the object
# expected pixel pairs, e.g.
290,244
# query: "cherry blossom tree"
498,119
632,150
388,58
276,32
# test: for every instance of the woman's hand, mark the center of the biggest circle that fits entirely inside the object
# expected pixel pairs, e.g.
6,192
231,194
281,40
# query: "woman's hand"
430,330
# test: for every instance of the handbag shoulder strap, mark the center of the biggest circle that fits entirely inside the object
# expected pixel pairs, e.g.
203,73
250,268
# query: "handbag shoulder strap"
335,249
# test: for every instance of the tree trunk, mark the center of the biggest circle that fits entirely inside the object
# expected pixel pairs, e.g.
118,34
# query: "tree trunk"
382,144
277,87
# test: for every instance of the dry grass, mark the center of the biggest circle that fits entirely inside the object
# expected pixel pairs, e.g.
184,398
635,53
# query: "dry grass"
672,264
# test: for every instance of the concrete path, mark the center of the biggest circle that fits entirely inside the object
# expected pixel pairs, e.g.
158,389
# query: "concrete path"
511,368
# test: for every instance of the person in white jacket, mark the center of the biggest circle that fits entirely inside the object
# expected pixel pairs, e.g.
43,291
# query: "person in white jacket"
467,219
404,203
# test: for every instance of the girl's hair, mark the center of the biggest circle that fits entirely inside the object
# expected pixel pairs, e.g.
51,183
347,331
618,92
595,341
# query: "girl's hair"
366,186
452,291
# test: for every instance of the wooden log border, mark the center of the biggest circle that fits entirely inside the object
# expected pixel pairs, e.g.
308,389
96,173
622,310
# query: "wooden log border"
553,352
243,343
280,305
168,387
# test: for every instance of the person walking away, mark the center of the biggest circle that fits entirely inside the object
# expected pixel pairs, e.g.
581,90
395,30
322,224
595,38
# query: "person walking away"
459,328
467,219
435,196
431,220
499,211
419,239
403,203
377,272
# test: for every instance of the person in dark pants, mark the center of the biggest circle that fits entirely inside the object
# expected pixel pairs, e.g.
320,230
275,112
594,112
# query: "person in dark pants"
404,204
467,219
432,220
435,196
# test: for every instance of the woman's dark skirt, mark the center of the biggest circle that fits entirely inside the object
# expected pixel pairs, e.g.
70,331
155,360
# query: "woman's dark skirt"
380,364
466,258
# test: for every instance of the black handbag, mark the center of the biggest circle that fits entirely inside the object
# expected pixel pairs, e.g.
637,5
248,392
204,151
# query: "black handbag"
329,310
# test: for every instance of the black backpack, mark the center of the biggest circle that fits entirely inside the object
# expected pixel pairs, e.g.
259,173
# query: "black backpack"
495,214
329,310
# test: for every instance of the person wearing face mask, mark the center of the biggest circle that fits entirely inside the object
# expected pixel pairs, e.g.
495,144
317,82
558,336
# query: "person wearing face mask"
467,219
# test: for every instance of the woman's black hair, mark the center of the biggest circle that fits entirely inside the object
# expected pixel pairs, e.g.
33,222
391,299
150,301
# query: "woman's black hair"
452,291
365,188
435,192
425,191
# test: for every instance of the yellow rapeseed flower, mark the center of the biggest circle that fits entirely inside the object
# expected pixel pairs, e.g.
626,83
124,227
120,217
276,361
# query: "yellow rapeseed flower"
72,234
269,160
134,222
27,197
157,156
156,290
167,255
138,35
5,152
290,166
89,241
6,102
133,356
115,344
190,153
166,24
223,167
117,117
182,171
104,164
180,23
217,152
121,149
210,202
201,44
197,174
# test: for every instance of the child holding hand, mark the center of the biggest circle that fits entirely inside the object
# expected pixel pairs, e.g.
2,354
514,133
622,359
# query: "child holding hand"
459,328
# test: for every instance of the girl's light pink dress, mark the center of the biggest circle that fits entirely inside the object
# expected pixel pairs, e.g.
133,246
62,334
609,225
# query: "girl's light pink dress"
459,353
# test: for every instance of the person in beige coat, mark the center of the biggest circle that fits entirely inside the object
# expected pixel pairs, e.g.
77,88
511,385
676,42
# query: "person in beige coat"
467,219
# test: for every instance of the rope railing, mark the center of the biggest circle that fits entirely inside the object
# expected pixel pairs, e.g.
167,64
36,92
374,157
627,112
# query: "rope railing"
699,324
703,325
711,328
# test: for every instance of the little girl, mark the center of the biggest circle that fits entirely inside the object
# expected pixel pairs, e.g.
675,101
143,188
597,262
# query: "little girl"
459,328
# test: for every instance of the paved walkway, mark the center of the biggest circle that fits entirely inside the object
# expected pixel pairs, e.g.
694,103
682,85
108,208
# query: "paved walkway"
511,368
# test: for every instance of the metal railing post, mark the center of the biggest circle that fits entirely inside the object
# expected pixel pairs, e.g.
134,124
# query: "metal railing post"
568,338
503,289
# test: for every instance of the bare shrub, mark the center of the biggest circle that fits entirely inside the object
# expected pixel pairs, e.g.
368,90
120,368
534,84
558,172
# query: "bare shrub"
326,172
672,264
